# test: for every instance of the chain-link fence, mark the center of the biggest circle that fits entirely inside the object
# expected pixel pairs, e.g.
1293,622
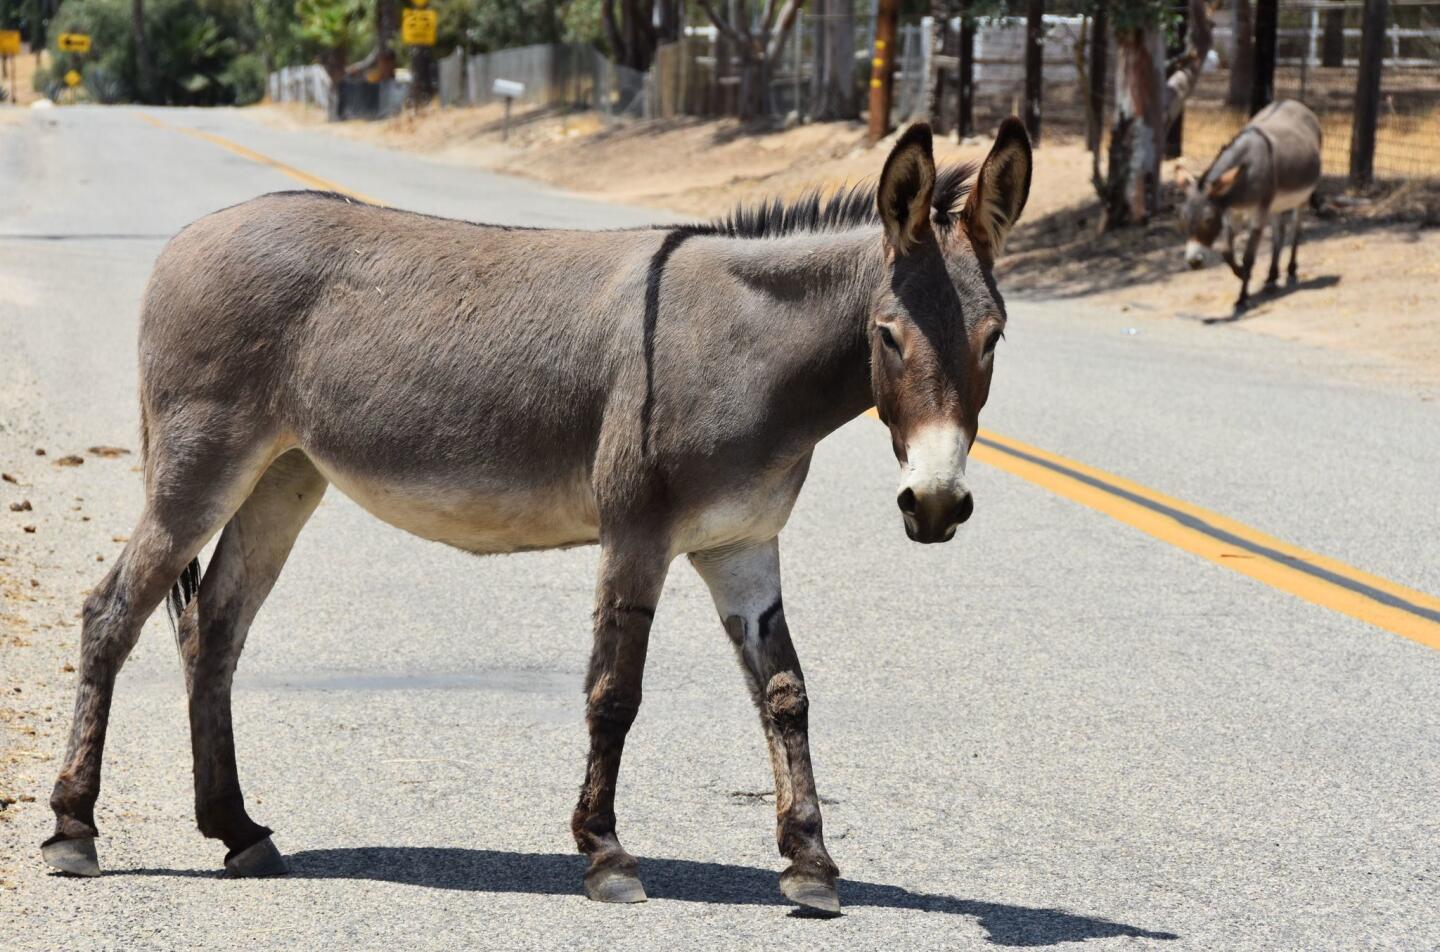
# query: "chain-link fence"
1317,61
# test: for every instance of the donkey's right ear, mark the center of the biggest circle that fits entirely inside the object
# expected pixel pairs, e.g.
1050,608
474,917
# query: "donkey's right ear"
907,187
1222,185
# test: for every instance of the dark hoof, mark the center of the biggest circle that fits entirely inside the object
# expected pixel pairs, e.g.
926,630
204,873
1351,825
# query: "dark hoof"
74,857
816,896
1291,279
614,885
253,862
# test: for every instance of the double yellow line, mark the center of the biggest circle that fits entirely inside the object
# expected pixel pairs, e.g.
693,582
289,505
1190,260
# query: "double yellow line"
1211,536
304,178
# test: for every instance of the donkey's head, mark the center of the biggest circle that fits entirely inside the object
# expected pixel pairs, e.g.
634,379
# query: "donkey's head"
938,317
1203,212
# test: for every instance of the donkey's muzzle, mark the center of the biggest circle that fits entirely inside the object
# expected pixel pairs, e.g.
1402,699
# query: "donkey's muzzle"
934,516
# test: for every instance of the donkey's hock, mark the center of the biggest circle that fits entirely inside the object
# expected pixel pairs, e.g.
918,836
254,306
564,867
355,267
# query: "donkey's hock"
656,391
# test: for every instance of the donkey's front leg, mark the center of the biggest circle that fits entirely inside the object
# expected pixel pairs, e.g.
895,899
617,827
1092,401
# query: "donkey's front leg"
745,584
630,581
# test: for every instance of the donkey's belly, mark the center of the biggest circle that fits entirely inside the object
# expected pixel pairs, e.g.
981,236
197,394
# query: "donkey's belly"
475,520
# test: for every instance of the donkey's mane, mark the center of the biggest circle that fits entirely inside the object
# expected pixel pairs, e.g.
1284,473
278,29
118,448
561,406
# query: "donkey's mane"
846,207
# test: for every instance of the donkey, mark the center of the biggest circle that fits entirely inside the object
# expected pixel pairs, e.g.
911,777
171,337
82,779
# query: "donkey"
656,391
1271,167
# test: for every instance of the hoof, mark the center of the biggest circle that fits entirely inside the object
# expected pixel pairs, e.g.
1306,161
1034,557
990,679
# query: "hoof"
614,885
261,859
74,857
815,896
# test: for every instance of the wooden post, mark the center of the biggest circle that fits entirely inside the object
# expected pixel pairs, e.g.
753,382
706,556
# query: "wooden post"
965,122
1099,63
882,68
1034,66
1367,92
1262,84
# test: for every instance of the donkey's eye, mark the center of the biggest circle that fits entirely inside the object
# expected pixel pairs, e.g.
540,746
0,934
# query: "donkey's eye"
991,341
887,338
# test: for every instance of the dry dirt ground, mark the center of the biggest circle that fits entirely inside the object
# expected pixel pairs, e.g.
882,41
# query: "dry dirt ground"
1369,266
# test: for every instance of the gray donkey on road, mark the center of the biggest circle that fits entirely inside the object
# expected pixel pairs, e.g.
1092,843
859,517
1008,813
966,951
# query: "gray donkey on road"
1271,167
656,391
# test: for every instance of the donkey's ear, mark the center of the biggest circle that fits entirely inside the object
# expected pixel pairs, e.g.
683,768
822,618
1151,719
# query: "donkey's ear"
1000,190
1223,183
907,186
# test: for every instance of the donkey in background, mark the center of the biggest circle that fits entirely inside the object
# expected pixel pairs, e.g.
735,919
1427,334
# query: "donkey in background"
658,392
1271,167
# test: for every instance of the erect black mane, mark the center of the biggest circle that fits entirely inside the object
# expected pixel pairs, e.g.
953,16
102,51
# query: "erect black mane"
847,207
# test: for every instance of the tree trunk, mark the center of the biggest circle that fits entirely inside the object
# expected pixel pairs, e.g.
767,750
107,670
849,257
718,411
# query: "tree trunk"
935,82
1242,56
1332,44
833,88
1262,86
1099,65
965,121
422,75
144,72
1034,66
1137,140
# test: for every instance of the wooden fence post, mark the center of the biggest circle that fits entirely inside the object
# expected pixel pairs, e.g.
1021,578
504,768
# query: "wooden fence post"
1367,92
965,122
1262,84
1099,64
1034,66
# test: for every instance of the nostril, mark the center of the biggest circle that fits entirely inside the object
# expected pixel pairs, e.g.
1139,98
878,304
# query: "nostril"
964,509
906,501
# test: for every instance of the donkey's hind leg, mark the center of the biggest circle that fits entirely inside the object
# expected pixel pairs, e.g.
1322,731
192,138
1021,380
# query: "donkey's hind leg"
1292,273
178,519
248,559
1277,247
745,585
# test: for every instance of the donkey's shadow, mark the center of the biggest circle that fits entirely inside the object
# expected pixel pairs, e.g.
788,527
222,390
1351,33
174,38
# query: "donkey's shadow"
500,871
1269,294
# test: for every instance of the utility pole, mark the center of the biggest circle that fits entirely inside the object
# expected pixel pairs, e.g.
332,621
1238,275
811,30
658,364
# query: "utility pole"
1262,85
882,68
1034,64
1367,91
142,51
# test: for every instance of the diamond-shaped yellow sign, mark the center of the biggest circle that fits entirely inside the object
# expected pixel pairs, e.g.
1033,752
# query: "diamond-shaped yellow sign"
417,27
72,78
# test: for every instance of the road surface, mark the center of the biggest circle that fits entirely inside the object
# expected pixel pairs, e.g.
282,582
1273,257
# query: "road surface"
1062,727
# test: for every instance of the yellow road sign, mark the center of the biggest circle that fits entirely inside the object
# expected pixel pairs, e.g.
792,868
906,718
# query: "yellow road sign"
417,28
9,42
74,42
72,78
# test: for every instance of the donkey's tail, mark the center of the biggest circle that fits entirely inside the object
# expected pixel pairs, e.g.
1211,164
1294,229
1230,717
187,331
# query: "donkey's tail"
182,592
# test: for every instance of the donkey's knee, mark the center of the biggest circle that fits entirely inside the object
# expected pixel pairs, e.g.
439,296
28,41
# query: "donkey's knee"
786,703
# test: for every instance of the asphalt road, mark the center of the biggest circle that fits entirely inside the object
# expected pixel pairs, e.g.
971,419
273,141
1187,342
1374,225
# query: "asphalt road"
1055,729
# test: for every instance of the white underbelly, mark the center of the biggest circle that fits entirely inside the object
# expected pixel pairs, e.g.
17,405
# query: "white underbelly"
481,522
1289,201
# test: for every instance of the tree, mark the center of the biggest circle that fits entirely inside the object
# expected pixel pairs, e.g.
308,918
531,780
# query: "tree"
1146,102
832,95
144,71
757,48
634,34
335,29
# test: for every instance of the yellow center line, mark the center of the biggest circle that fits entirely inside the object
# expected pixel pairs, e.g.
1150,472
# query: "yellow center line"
303,177
1236,546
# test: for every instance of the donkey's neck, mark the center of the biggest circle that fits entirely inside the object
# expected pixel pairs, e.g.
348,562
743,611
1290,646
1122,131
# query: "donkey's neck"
816,292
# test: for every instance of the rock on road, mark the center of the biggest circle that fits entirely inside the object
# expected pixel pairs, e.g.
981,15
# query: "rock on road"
1054,729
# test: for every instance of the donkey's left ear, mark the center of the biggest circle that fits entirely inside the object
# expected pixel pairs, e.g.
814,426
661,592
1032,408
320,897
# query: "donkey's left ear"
907,186
1000,190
